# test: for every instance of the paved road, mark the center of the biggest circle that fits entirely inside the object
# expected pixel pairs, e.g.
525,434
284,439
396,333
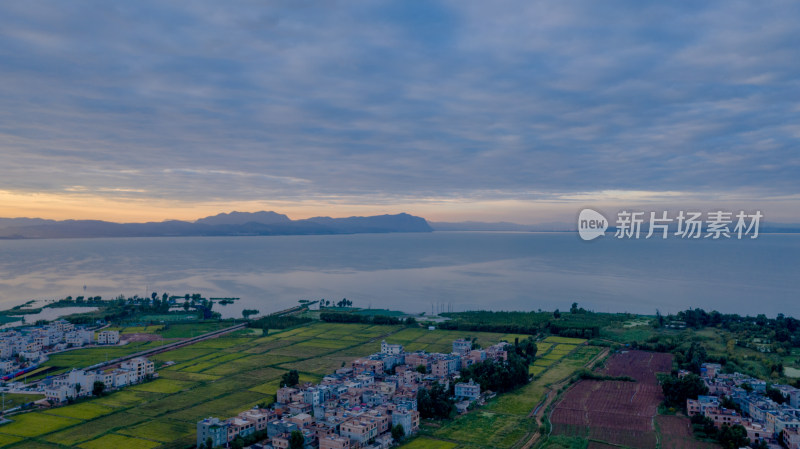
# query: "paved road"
182,343
176,344
158,350
169,346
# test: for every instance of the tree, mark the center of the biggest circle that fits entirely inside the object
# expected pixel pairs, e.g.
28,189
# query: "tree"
422,369
205,307
556,314
498,375
575,309
290,379
398,432
98,388
776,395
78,389
246,313
727,402
435,402
237,443
704,424
475,344
678,390
733,437
186,305
526,349
296,440
209,443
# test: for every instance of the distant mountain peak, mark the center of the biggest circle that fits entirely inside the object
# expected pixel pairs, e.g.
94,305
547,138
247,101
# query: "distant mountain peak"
401,222
240,218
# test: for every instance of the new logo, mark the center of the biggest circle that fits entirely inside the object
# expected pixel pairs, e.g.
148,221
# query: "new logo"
591,224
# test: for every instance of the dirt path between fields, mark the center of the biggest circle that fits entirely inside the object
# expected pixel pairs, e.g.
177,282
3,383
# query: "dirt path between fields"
538,412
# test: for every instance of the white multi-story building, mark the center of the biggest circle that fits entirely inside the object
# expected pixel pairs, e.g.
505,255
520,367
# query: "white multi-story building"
32,357
42,338
56,335
6,366
63,325
462,346
139,367
386,348
79,383
469,390
73,339
107,337
31,345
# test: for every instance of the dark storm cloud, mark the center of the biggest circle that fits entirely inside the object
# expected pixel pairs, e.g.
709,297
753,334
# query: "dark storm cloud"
243,100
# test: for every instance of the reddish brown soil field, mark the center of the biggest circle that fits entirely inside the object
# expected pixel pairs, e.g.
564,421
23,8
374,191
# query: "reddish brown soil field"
130,338
676,434
615,412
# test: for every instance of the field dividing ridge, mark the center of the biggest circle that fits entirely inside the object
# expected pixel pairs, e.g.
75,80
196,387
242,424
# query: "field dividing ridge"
615,412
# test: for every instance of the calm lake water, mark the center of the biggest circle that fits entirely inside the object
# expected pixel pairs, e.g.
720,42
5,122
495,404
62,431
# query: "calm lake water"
418,272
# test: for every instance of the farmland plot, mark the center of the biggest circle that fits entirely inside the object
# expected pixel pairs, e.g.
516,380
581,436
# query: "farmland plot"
676,433
615,412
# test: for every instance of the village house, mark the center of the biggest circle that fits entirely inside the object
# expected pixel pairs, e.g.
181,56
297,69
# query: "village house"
468,390
107,337
80,383
356,406
762,417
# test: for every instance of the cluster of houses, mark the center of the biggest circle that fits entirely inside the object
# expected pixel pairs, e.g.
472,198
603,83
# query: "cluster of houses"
357,406
763,418
79,383
27,346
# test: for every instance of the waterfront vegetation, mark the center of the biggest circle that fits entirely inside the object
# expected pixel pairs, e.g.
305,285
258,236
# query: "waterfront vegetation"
576,322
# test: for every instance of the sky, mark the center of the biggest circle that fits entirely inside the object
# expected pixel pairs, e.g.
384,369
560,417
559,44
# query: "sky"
519,111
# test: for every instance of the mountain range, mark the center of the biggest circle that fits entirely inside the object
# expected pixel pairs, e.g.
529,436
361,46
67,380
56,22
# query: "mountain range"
273,223
502,226
234,223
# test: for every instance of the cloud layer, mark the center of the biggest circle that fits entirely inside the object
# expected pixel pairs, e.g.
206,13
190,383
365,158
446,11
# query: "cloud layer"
399,101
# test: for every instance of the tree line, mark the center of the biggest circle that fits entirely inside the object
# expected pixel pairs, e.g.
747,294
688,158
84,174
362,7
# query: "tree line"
277,322
345,317
785,331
